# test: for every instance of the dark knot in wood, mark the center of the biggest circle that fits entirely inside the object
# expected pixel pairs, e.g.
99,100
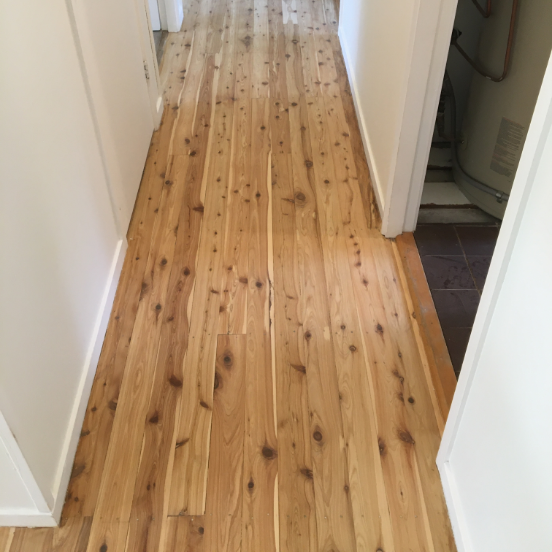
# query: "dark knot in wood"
269,453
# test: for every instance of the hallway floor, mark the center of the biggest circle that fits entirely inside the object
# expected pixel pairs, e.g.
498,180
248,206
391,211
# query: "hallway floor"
260,387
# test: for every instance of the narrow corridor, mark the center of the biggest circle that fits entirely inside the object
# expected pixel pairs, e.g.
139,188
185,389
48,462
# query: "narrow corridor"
260,387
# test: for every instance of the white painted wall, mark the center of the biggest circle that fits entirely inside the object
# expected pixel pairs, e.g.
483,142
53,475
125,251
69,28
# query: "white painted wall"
115,70
376,40
395,54
60,254
171,14
496,453
153,6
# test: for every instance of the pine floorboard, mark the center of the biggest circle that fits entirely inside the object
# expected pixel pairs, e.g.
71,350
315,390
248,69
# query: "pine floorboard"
261,386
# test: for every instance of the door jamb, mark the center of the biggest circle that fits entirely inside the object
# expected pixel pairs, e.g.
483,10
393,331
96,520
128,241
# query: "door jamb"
171,13
431,41
437,64
150,61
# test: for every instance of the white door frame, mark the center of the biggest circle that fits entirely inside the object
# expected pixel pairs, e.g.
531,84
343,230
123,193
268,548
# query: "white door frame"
155,20
533,151
445,15
150,60
431,41
171,13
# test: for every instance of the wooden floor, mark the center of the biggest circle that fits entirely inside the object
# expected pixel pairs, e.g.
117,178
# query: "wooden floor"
261,386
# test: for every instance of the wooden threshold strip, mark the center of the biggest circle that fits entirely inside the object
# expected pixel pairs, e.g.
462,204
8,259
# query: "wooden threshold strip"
442,380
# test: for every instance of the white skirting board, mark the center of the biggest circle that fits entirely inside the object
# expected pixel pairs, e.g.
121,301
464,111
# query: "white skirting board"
27,519
457,521
83,394
376,180
54,503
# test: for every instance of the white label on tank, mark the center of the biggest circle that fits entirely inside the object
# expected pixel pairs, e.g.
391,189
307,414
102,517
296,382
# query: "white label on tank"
509,142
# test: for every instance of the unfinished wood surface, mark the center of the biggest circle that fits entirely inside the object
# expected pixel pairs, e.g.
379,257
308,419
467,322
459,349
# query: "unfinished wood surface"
263,384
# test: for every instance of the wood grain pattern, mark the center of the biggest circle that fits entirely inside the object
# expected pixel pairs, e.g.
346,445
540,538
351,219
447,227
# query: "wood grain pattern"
150,494
92,449
233,307
385,356
424,427
260,450
72,536
331,479
184,534
191,445
223,527
123,456
6,538
264,384
37,540
369,502
297,511
440,365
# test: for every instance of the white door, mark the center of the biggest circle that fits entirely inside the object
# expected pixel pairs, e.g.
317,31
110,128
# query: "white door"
109,34
496,451
154,15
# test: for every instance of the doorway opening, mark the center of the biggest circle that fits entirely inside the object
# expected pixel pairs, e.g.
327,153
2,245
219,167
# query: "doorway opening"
498,55
159,40
159,34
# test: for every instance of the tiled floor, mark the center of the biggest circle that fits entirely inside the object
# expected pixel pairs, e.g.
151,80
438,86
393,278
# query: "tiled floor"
456,260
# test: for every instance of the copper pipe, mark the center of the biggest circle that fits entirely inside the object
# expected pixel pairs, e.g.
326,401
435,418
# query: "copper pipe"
484,12
478,67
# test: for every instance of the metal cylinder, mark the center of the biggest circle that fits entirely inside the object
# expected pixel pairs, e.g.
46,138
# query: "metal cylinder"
498,114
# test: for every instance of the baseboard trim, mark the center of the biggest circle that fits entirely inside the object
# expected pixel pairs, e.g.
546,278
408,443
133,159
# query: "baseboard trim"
456,514
376,180
20,466
159,106
85,386
27,519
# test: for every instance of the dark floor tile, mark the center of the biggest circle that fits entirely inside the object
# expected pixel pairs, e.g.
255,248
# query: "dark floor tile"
478,240
447,272
479,267
437,239
456,308
457,343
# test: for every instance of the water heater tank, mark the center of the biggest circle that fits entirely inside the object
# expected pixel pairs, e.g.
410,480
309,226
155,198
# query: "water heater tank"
498,114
